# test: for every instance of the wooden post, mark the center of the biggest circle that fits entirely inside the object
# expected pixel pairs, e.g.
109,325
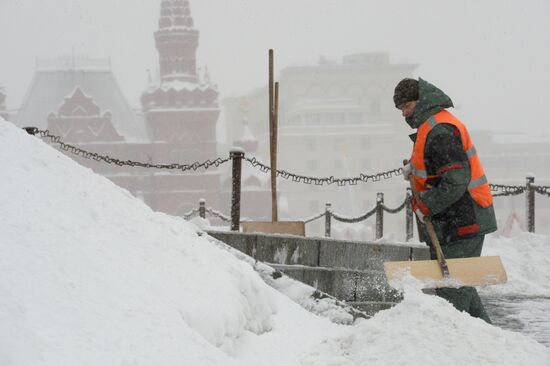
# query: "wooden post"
202,208
530,203
273,102
409,231
236,156
379,215
328,217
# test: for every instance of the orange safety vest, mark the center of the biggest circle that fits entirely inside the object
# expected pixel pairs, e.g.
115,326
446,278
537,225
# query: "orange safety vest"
478,187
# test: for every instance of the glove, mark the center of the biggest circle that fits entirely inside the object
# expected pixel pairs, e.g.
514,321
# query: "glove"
419,215
407,170
420,209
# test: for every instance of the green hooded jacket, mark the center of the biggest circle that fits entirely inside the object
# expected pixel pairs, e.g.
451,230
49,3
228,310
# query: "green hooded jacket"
449,202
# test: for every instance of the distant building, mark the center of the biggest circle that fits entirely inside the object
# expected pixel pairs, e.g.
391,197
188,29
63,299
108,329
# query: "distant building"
338,119
508,159
334,119
80,100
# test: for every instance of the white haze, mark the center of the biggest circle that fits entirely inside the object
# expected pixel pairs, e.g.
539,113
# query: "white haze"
491,57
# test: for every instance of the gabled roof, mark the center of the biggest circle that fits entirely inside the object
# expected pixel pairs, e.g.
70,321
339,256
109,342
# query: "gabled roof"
49,88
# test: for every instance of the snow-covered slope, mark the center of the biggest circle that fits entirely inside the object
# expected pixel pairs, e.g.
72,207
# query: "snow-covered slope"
89,275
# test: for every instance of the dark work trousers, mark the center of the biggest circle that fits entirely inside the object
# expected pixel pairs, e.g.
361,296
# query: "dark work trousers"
463,298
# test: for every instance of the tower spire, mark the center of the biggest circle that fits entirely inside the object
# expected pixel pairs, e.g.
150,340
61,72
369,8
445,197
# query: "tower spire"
176,41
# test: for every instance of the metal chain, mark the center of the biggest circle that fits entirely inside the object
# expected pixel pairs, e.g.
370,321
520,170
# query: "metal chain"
545,190
506,194
351,220
328,180
396,210
218,214
190,214
313,218
506,189
97,157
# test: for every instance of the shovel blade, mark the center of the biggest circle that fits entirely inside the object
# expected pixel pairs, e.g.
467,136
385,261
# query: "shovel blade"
474,271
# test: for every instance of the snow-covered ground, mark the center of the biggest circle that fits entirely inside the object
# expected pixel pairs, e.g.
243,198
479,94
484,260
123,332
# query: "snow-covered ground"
90,275
523,304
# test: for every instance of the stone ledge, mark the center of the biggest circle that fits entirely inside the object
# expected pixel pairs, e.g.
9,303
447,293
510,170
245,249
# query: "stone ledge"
350,271
344,284
323,252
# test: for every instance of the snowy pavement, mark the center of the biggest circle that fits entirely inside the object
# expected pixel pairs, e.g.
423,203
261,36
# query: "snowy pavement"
527,315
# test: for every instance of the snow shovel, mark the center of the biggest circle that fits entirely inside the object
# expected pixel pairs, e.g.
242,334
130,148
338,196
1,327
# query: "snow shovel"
472,271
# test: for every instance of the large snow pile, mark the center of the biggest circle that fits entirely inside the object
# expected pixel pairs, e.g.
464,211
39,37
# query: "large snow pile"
89,275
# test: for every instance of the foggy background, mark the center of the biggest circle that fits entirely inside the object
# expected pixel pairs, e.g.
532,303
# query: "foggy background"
491,57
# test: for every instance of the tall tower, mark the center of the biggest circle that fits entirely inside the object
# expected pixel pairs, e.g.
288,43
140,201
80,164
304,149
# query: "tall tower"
182,108
181,111
177,42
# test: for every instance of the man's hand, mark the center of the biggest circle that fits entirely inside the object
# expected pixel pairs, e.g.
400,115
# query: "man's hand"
419,215
420,209
407,170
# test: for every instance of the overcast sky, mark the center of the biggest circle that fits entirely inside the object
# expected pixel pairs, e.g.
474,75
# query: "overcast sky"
492,57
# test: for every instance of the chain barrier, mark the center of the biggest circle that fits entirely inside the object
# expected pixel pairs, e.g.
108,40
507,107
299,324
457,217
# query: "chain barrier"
351,220
97,157
218,214
506,190
544,190
313,218
190,214
395,210
327,180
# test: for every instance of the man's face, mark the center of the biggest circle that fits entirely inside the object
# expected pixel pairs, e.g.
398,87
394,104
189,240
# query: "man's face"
407,108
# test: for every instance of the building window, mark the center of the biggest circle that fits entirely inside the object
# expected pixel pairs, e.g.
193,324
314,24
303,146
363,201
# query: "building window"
295,121
354,118
311,119
332,119
311,144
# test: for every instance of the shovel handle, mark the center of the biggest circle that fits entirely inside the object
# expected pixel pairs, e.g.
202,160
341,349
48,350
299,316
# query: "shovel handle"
433,237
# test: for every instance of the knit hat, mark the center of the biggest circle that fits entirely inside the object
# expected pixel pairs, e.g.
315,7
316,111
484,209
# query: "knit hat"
405,91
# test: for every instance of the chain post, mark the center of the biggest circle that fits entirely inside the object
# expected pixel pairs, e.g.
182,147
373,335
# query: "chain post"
408,216
530,203
379,215
202,208
237,156
328,217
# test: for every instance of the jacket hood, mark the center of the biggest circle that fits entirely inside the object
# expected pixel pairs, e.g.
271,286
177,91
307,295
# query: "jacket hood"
430,101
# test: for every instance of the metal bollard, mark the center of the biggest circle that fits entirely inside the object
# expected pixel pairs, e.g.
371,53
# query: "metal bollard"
409,231
379,215
237,156
202,208
530,203
328,217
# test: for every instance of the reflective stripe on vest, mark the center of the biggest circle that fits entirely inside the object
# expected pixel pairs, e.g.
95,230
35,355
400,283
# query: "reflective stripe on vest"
478,187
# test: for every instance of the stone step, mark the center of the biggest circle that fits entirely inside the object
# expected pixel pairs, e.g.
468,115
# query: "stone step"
350,271
344,284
